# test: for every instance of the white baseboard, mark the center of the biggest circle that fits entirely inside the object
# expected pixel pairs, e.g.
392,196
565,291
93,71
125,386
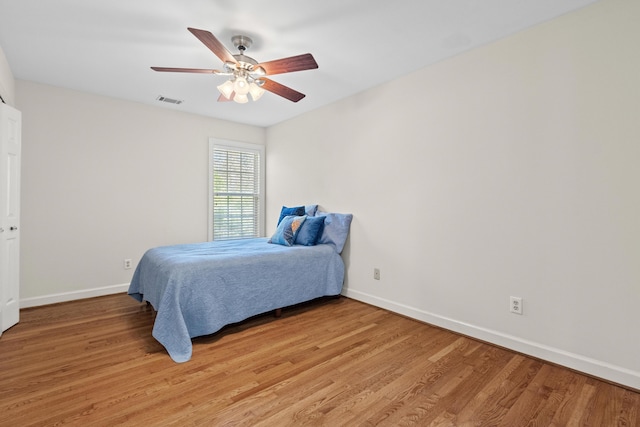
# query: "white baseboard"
578,362
73,295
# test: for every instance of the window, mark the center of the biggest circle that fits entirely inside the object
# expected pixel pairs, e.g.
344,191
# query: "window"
236,195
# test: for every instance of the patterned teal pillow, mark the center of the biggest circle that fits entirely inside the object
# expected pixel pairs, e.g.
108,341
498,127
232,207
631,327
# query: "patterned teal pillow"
288,230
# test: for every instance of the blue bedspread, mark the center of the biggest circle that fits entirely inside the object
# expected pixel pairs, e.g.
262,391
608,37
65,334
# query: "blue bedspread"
199,288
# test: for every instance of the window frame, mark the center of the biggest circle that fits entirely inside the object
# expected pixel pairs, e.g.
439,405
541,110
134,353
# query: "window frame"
225,144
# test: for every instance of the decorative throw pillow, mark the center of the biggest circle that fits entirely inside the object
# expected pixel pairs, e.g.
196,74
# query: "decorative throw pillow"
285,211
310,231
288,230
336,229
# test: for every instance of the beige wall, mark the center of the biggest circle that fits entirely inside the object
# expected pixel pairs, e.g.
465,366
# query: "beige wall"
508,170
7,82
104,180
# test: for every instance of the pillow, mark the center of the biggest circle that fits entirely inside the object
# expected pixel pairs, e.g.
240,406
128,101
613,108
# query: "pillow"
311,210
310,231
336,229
285,211
288,230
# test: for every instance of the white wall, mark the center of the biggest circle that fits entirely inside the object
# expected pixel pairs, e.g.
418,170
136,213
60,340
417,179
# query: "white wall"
7,82
511,170
104,180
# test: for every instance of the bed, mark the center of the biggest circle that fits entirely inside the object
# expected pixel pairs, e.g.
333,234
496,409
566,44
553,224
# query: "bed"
198,288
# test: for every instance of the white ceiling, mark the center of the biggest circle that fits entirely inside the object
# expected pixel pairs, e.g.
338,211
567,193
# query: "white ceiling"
107,47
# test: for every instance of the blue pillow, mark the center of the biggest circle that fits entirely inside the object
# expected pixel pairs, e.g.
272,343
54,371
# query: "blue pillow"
310,231
311,210
285,211
336,229
288,230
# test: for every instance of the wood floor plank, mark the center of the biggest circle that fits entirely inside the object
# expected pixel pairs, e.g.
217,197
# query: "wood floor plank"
332,362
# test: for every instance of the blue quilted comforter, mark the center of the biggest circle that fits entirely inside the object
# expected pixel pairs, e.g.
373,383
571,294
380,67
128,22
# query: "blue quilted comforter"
199,288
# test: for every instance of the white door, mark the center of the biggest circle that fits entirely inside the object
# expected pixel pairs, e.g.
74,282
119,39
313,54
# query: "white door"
10,143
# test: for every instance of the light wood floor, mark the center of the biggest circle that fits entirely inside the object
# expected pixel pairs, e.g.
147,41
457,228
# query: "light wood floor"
334,362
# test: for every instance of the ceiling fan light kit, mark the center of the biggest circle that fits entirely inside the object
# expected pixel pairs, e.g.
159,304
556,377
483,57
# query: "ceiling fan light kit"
240,99
226,89
247,76
255,91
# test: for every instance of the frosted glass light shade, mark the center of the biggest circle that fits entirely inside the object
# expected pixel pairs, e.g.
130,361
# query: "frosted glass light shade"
255,91
240,98
226,89
241,86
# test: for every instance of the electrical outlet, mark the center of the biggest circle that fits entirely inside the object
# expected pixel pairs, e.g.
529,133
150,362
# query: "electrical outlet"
515,305
127,264
376,273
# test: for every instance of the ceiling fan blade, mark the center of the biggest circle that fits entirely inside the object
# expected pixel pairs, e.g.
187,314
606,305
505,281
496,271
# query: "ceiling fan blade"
223,98
282,90
185,70
210,41
289,65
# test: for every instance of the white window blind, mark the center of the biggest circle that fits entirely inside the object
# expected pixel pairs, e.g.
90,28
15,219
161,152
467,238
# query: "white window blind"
237,196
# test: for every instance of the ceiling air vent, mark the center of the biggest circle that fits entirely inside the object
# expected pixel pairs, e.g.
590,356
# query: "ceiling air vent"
169,100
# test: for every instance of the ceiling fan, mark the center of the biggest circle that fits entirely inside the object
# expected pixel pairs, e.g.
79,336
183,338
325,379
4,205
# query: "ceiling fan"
247,76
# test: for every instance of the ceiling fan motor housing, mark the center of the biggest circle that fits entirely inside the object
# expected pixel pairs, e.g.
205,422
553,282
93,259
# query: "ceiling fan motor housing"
241,42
